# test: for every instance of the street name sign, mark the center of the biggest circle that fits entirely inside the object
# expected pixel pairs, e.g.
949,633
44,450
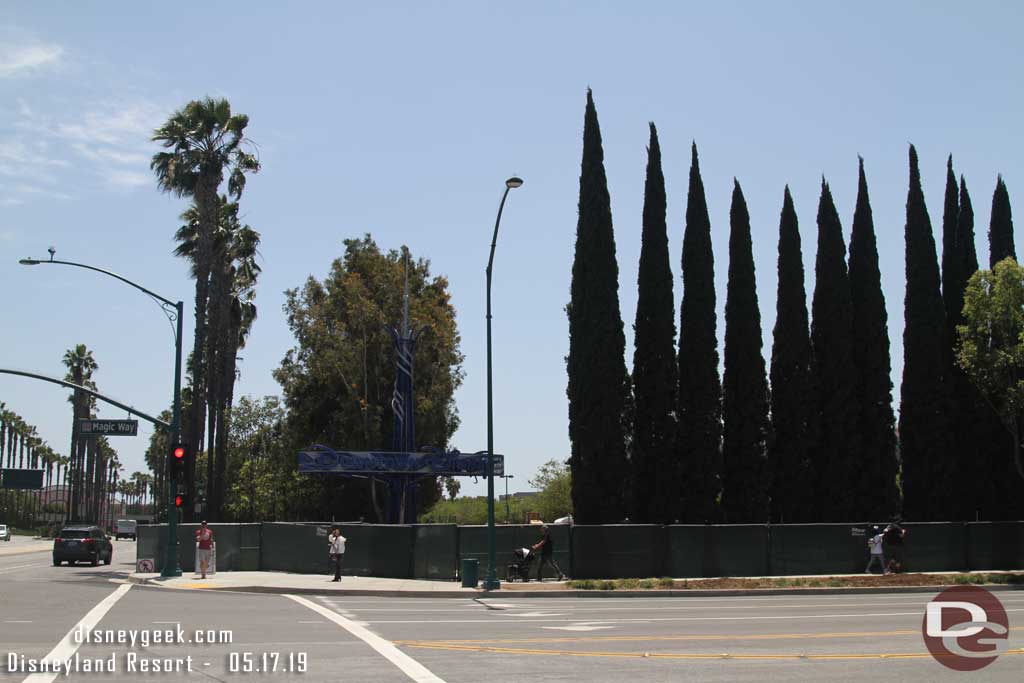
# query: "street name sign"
108,427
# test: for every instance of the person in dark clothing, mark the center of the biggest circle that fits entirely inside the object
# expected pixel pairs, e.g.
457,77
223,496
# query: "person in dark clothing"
893,540
546,547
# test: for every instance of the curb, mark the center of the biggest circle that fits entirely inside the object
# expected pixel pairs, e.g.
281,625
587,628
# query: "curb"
569,593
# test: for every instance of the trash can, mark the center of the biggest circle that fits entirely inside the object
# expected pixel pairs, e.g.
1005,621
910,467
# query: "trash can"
470,572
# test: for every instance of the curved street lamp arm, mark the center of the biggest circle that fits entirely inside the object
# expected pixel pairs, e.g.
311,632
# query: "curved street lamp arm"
494,240
105,272
156,421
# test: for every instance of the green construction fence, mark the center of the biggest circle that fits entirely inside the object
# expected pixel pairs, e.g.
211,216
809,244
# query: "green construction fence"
434,551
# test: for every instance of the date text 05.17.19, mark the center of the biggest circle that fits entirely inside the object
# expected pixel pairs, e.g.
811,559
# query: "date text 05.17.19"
267,662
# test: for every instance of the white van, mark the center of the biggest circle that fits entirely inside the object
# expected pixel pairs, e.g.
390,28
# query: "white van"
125,528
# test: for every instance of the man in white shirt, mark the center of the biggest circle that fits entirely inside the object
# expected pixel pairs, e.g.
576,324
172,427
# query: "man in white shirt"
877,552
336,548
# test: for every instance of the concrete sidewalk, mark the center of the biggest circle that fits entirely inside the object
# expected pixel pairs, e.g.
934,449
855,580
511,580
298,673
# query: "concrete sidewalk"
316,584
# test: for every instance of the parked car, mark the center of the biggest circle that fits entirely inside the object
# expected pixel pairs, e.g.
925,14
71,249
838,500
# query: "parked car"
5,533
125,528
85,542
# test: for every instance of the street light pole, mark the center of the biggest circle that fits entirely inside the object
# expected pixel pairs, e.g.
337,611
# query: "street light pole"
174,310
491,581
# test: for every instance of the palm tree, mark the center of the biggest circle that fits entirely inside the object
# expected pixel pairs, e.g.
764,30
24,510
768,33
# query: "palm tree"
231,313
204,141
80,364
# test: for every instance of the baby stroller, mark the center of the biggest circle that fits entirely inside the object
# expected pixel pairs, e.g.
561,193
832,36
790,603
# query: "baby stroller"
520,570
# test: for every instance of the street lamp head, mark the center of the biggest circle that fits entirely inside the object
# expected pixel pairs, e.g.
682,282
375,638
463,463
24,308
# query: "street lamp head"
513,182
29,262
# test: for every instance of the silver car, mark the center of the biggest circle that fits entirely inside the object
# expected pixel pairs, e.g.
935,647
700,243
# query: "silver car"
5,533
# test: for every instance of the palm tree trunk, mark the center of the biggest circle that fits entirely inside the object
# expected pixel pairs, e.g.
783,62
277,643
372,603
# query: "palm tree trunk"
208,204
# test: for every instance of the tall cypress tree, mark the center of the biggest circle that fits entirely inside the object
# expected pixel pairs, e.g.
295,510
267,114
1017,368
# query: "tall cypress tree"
967,419
598,382
965,238
953,283
744,385
793,482
925,433
1000,229
655,377
835,376
876,496
700,393
981,437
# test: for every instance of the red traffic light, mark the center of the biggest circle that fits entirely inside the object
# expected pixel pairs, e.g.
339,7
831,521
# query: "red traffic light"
179,452
179,501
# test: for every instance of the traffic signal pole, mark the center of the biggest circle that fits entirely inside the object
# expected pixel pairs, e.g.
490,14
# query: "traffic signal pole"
171,567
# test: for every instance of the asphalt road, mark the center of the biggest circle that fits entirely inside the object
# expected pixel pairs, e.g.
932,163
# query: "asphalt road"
459,640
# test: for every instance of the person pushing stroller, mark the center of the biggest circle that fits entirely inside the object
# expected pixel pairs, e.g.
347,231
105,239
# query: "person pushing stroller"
546,547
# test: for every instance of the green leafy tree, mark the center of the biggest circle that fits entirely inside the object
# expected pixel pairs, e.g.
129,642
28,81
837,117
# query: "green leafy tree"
451,487
598,388
1000,230
553,482
655,377
991,347
792,404
876,495
744,386
839,451
260,463
699,411
928,468
338,380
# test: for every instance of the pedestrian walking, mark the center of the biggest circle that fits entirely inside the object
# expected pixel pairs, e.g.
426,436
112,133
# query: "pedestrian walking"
336,551
204,537
546,547
877,551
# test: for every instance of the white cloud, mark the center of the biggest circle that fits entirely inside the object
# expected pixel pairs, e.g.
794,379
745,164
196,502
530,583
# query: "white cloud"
128,179
22,60
110,140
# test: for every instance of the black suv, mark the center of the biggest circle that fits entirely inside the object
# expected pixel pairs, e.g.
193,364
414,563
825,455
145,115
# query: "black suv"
86,542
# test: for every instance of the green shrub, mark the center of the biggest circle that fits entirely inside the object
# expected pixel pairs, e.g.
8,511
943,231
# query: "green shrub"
668,582
647,584
606,585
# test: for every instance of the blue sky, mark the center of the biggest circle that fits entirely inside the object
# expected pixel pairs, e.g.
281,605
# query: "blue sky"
404,119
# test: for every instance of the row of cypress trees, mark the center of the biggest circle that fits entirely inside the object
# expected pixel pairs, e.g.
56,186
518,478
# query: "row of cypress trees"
675,442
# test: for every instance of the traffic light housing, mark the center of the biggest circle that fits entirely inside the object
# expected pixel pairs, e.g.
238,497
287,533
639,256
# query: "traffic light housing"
180,463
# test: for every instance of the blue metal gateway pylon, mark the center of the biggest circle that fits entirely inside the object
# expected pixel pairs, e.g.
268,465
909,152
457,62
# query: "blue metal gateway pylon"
402,467
402,487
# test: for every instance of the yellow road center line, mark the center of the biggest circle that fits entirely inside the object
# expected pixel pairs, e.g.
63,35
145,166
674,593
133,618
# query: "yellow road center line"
675,655
594,639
